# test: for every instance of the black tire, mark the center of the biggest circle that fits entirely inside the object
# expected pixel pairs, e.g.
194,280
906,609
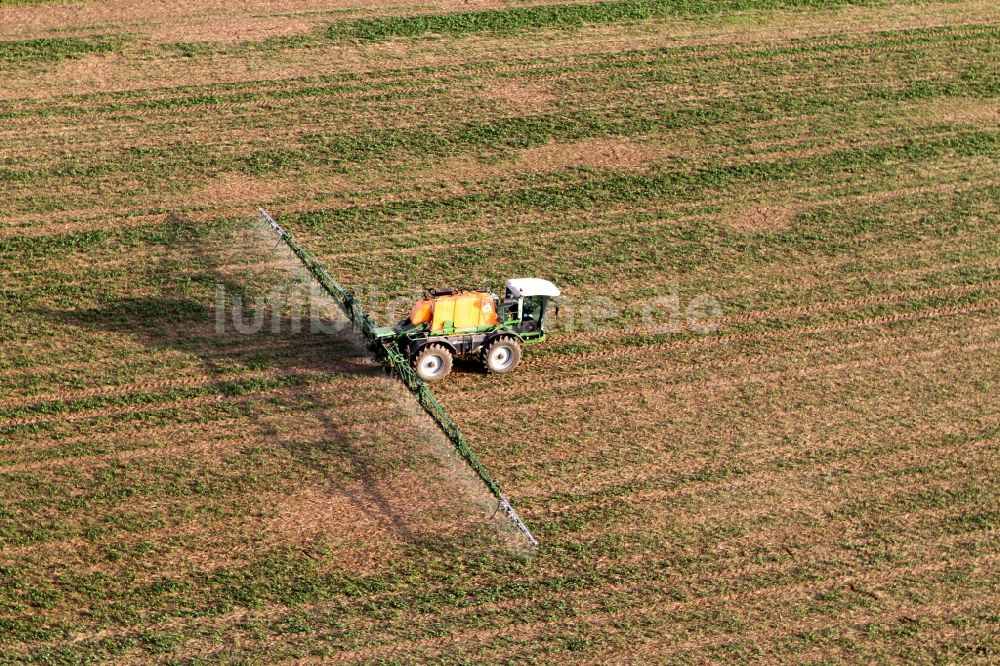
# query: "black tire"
432,363
502,355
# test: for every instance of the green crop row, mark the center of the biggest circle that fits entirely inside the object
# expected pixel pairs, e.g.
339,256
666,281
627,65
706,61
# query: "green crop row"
589,193
226,389
389,599
561,16
505,21
669,184
55,48
344,149
693,246
403,81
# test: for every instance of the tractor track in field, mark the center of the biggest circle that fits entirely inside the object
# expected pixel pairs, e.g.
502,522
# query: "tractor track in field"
53,544
590,65
619,55
922,273
706,204
327,386
357,417
646,225
787,634
224,440
614,588
343,365
78,213
239,113
607,463
223,434
205,215
215,621
808,521
40,399
631,352
862,197
195,358
889,464
686,94
647,394
569,68
684,420
754,362
196,21
800,310
713,340
745,571
191,526
884,299
711,94
759,477
78,225
127,434
599,40
819,278
530,629
219,445
605,455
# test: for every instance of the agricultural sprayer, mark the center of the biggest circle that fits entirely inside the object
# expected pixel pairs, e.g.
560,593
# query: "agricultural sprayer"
443,324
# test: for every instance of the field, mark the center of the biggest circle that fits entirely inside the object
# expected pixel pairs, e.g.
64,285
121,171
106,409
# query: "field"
807,473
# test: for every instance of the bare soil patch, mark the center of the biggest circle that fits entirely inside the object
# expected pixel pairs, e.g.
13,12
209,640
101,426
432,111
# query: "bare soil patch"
964,111
763,218
237,29
234,191
521,97
610,153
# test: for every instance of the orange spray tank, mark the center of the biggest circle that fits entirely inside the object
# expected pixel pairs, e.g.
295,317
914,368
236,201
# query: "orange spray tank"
460,312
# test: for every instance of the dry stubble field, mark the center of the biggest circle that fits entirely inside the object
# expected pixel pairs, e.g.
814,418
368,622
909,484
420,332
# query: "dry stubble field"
815,481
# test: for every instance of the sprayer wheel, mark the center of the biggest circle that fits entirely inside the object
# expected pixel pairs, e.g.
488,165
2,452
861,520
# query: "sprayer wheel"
432,363
502,355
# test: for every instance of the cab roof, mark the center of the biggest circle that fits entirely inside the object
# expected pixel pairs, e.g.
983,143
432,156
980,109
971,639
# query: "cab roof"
519,287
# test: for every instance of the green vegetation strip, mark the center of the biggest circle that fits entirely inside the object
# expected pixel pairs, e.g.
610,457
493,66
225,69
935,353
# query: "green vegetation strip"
502,21
561,16
55,48
230,388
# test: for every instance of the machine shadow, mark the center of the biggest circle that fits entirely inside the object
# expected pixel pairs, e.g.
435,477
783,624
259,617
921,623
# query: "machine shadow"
174,320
